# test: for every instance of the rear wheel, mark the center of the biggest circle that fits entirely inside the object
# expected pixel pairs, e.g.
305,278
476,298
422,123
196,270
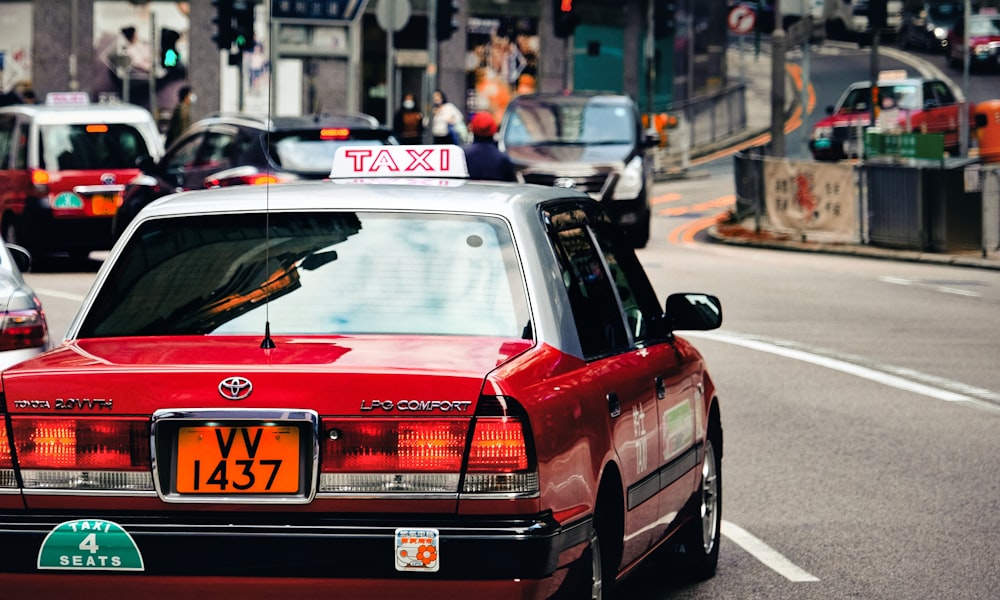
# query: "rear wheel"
700,538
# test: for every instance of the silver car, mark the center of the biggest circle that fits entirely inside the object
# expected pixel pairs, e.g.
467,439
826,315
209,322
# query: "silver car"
24,331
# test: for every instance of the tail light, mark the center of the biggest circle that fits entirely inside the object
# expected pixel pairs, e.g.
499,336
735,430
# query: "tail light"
245,175
428,455
392,455
7,479
23,329
83,454
40,180
500,452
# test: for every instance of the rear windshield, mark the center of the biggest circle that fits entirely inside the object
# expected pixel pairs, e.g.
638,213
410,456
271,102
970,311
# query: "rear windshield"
91,146
984,26
536,122
316,273
310,152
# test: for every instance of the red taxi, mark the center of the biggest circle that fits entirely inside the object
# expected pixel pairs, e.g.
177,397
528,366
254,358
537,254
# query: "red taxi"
983,51
415,385
63,169
917,105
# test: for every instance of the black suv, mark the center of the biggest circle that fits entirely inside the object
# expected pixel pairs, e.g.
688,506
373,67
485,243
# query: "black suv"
593,142
227,150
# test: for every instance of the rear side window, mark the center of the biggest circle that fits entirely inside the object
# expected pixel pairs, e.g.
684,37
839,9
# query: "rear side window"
91,146
596,312
315,273
6,139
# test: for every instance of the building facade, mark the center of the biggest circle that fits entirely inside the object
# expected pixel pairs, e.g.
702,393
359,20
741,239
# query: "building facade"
500,48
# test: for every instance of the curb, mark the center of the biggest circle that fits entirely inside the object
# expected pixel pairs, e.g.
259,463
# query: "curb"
736,235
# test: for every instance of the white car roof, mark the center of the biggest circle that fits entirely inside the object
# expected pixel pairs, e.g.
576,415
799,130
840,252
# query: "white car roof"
449,196
68,114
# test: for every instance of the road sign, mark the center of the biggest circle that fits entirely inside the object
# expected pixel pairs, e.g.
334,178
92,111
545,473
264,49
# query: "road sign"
741,19
392,15
317,11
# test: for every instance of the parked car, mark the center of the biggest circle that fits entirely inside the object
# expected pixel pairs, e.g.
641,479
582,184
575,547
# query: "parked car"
922,105
592,142
429,387
927,25
227,150
63,168
984,43
24,331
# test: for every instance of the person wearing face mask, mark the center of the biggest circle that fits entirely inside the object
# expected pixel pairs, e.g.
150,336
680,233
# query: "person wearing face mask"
408,124
447,122
181,118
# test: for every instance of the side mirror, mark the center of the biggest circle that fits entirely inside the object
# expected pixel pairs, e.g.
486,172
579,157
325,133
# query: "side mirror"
146,164
693,312
650,138
21,256
829,109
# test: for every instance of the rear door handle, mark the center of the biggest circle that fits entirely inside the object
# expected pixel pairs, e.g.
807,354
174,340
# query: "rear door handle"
614,405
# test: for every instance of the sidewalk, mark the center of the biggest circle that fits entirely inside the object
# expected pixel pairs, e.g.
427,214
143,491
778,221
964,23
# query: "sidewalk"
757,75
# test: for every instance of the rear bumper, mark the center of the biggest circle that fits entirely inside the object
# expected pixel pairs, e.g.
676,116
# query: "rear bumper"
114,587
327,553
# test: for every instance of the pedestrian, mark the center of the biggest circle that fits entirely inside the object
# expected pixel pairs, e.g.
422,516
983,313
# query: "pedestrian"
181,118
484,160
408,124
447,122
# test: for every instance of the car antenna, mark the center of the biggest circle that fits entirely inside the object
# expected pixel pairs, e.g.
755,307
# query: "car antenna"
267,343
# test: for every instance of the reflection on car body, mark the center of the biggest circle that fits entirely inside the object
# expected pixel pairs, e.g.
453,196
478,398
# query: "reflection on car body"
413,385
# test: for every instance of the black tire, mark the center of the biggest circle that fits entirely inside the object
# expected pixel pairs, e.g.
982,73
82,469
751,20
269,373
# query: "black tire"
592,577
638,234
700,536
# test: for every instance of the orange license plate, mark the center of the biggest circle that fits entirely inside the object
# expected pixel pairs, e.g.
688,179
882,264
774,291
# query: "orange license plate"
248,459
103,205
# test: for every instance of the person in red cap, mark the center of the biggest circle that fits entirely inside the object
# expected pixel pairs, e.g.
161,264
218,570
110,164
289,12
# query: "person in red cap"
484,159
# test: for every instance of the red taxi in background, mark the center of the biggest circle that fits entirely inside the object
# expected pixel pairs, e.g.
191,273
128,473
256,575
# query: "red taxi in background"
424,387
63,169
919,105
983,51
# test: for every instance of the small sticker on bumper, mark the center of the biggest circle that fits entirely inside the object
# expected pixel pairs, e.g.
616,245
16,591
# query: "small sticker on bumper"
417,550
89,545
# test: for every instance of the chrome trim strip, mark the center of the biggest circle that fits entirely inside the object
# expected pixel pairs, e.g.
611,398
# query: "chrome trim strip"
99,189
94,493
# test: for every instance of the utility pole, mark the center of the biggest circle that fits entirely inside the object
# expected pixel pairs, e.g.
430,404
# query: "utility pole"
778,84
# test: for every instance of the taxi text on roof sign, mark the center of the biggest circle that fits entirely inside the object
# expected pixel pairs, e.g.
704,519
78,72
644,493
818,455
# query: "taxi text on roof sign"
436,161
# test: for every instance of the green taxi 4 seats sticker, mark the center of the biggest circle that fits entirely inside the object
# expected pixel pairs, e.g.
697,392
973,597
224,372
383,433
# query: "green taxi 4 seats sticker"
89,545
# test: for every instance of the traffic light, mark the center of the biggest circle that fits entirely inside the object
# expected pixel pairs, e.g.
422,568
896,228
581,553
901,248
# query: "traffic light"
664,22
243,19
223,20
878,14
447,19
564,18
169,56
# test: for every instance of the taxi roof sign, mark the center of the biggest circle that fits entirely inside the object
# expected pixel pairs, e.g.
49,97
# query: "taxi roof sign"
64,98
443,161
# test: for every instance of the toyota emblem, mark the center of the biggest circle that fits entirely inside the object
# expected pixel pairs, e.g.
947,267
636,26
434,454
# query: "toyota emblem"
235,388
108,178
564,182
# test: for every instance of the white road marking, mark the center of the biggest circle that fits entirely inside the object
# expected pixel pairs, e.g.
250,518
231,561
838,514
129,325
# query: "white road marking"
885,377
771,558
58,294
938,288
